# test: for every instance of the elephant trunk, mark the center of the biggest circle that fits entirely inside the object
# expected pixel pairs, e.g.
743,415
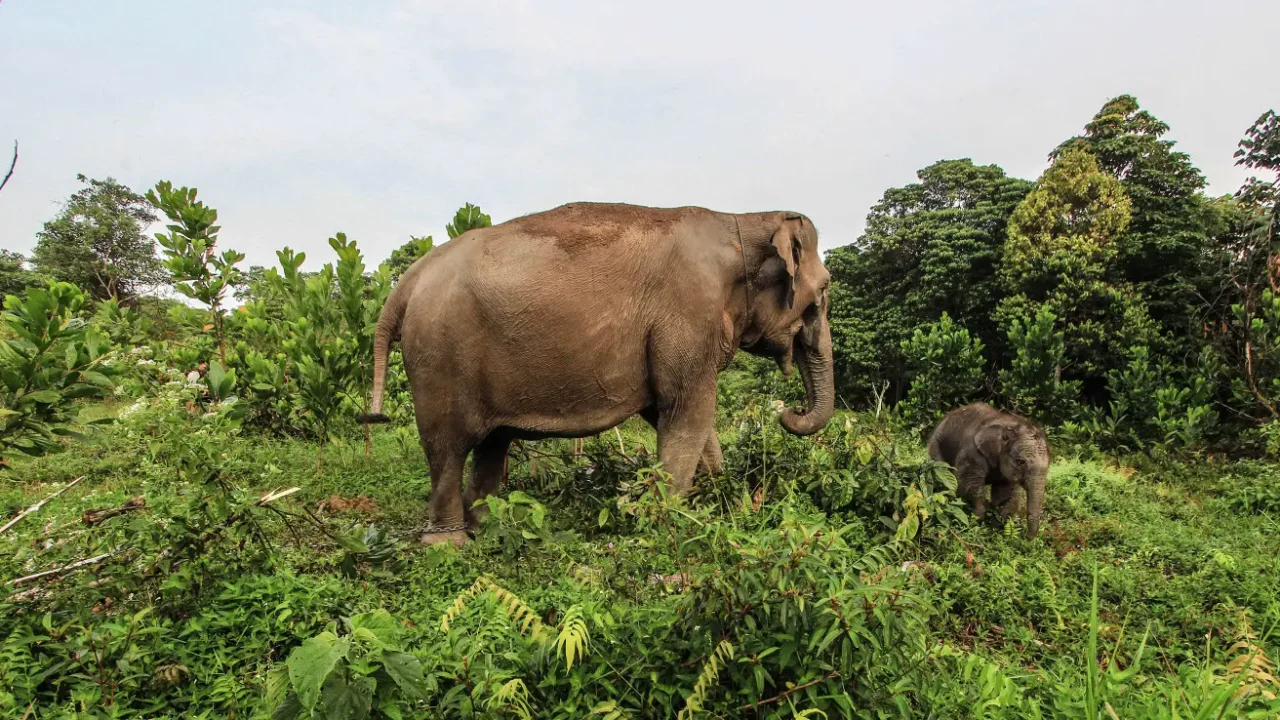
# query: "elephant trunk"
815,363
1035,506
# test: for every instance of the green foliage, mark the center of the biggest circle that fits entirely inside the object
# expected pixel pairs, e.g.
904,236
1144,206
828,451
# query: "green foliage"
946,370
518,523
1062,244
330,319
97,243
190,248
467,218
1032,383
407,254
51,359
1162,251
929,247
15,278
365,673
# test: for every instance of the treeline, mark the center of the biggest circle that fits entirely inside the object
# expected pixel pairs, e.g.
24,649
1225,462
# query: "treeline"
1111,297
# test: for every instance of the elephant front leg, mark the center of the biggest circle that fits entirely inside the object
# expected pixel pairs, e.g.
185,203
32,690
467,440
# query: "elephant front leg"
682,437
1012,500
712,461
971,486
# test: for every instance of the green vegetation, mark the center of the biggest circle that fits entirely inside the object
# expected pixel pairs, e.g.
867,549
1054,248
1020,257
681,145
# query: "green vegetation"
217,537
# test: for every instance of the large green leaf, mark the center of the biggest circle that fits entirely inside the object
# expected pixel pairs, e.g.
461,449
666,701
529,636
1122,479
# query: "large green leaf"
406,670
312,662
42,396
343,700
378,626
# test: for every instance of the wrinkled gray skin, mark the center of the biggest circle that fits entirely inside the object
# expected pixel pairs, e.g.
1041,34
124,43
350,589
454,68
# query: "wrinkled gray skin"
989,447
566,323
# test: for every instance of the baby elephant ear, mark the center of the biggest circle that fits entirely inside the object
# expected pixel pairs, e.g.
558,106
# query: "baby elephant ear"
786,242
994,439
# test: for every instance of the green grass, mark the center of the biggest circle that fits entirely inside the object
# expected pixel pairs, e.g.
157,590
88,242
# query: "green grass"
965,620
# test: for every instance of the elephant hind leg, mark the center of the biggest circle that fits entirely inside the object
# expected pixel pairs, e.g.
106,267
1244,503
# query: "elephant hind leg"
447,520
488,463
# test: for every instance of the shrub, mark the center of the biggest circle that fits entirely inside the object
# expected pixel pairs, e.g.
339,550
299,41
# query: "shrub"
52,359
946,370
1033,383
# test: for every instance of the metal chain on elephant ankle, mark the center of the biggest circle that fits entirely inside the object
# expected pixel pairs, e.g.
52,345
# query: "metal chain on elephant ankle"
746,276
430,529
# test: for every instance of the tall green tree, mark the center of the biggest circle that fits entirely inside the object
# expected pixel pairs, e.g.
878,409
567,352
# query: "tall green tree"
15,278
1063,243
929,248
97,243
1245,317
407,254
1166,249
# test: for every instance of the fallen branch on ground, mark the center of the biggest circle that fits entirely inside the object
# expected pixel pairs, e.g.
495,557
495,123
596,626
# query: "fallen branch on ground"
100,515
62,570
39,505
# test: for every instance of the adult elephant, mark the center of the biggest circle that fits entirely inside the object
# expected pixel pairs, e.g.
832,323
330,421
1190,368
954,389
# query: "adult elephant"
567,322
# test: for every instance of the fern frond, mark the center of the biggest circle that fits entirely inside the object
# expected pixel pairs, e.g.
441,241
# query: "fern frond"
460,603
1251,667
574,638
513,696
707,678
520,614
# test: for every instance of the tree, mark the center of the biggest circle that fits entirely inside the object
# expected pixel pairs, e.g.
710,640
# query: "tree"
946,366
15,278
189,248
96,243
1248,327
929,248
1165,250
1032,383
407,254
1062,245
467,218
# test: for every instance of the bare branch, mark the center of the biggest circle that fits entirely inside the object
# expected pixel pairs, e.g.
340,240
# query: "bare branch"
62,570
12,163
39,505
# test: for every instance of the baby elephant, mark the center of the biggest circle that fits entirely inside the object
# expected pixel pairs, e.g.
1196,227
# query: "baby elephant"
988,447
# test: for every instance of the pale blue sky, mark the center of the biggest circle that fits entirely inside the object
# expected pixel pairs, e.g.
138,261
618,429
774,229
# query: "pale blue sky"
300,119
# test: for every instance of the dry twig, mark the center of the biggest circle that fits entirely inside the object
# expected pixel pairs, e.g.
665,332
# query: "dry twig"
39,505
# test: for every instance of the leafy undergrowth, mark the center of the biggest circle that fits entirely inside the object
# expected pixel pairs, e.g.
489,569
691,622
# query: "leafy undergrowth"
225,575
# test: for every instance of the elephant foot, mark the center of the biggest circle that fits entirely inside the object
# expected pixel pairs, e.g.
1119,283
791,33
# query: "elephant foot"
457,537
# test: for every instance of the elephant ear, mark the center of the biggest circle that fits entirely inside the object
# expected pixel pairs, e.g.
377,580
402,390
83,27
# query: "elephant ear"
786,242
992,441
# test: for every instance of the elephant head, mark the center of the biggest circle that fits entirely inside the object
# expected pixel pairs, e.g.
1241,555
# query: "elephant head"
1022,452
787,313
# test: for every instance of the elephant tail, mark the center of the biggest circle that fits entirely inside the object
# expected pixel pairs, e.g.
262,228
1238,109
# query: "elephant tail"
388,330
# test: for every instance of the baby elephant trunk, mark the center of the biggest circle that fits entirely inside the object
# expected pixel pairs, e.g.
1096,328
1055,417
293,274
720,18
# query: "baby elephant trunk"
1035,506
